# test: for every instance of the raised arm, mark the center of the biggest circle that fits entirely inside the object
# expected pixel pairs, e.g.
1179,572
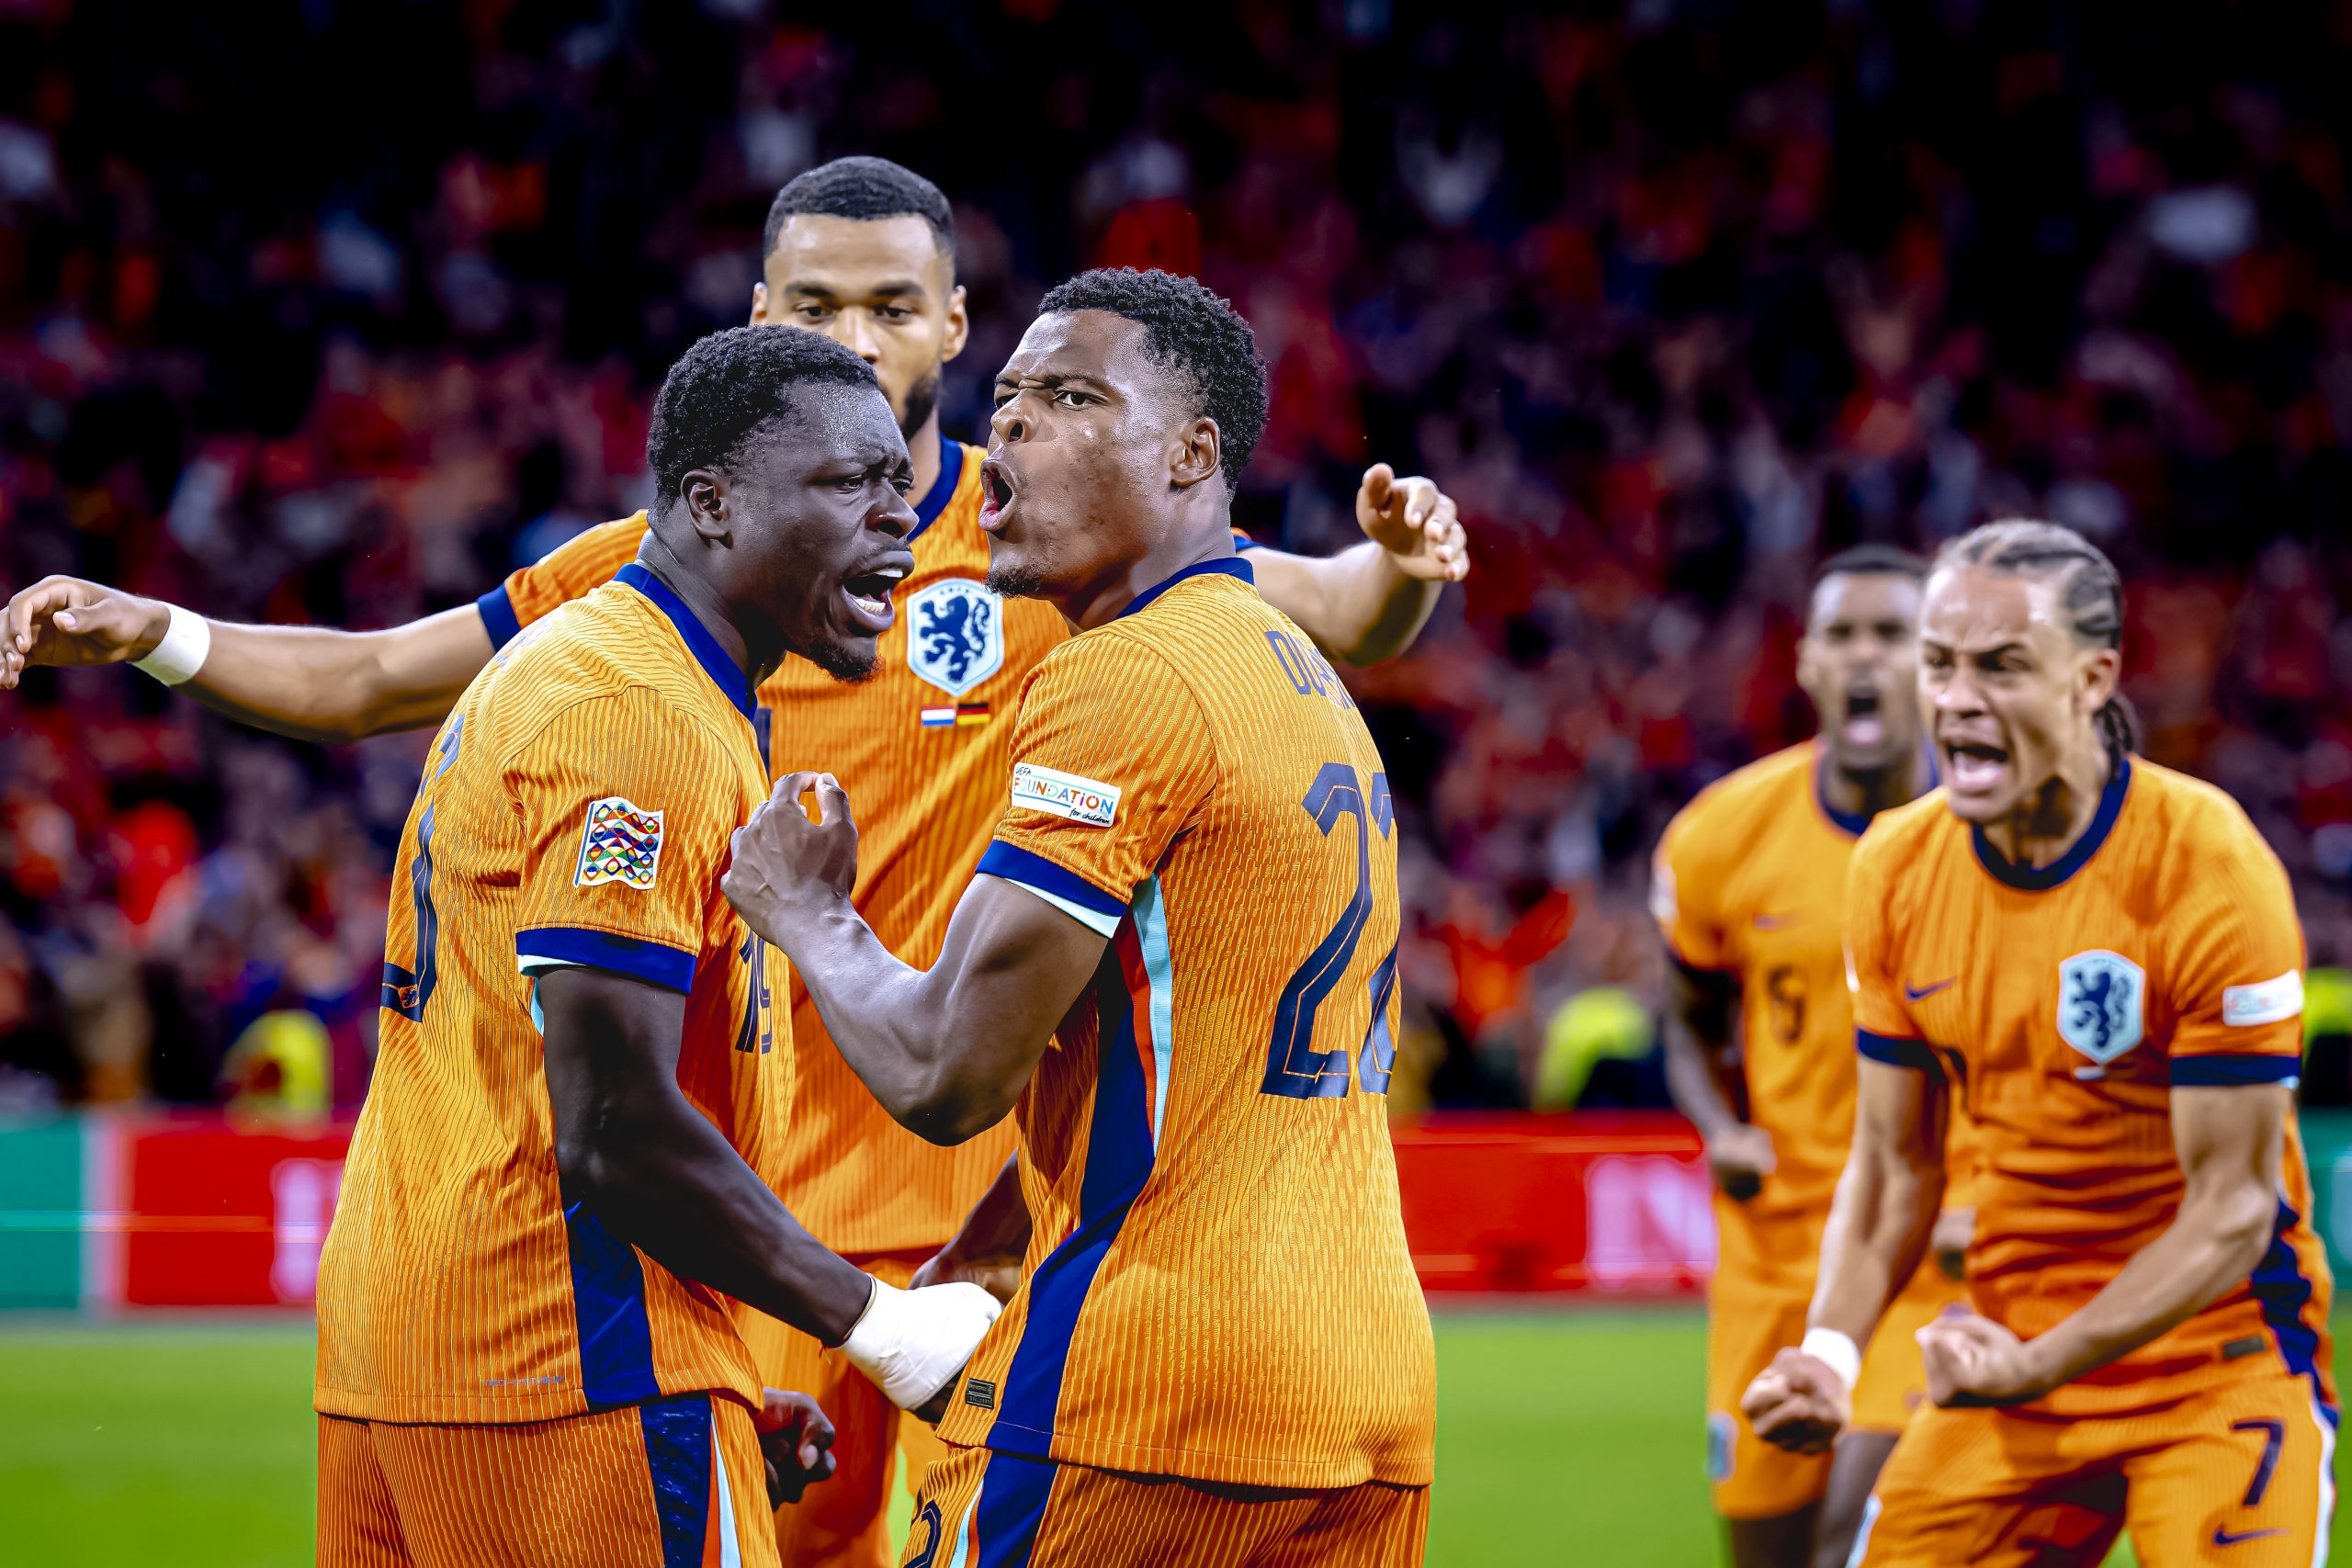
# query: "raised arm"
307,682
1877,1232
947,1049
1368,602
2230,1143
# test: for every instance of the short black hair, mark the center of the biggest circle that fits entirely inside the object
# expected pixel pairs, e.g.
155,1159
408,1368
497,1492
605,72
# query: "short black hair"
1871,560
731,386
1192,332
863,189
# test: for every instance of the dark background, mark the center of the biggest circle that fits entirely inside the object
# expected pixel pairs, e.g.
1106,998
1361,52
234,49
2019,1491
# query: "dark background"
336,312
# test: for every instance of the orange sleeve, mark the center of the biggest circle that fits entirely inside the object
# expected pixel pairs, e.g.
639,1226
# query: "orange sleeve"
626,837
2238,978
1111,762
1884,1029
578,567
1686,887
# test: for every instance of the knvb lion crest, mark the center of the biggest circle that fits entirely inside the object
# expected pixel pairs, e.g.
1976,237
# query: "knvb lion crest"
955,635
2099,1003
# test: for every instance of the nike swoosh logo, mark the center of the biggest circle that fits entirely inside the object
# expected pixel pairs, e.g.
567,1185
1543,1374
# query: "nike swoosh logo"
2224,1537
1772,922
1921,993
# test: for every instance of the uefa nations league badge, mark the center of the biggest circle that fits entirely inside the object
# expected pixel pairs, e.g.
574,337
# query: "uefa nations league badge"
954,634
2100,996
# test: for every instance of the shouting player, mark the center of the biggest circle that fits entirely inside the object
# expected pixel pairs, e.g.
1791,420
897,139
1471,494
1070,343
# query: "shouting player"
861,251
1750,890
1178,959
2100,959
527,1353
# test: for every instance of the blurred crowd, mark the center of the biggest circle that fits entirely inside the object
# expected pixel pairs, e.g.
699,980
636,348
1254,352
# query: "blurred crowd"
335,312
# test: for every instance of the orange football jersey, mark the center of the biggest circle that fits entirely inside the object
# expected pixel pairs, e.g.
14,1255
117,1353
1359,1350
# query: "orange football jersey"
923,750
576,809
2065,1003
1217,1286
1749,880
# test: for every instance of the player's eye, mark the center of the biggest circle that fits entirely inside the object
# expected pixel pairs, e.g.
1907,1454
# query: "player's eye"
1075,398
811,312
893,312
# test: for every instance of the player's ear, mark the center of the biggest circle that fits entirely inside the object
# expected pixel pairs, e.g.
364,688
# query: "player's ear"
959,326
2100,671
759,305
708,508
1199,451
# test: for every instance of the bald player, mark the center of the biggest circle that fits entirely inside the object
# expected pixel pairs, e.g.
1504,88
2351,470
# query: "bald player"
2100,958
1750,891
1178,961
862,250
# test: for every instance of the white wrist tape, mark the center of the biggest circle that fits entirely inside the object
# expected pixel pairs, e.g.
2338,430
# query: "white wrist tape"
1836,1351
910,1343
182,651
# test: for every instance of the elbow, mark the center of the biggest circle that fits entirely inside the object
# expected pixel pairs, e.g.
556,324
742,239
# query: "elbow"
942,1111
2242,1225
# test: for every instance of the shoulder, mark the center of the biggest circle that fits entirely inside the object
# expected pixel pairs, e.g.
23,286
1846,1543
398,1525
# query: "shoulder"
2192,817
1736,805
593,669
1903,833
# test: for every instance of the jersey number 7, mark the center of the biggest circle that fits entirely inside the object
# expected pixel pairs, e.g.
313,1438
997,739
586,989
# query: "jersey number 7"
1294,1069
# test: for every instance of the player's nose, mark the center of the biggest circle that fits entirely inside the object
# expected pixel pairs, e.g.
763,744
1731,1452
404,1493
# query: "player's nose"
1008,424
855,333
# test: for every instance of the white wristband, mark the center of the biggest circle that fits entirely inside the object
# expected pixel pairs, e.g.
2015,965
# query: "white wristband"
911,1343
1836,1351
182,651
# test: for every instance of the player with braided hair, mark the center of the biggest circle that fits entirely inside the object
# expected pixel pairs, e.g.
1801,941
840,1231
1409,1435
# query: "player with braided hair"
2100,958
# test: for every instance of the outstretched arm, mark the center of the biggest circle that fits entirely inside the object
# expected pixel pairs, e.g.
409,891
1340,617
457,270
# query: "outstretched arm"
1368,602
307,682
947,1049
2229,1144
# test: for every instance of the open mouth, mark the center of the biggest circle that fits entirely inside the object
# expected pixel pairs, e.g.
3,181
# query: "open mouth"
1973,767
1864,725
996,491
868,594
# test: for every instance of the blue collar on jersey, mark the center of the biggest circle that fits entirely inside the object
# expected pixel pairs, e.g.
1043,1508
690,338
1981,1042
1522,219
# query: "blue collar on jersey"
724,673
1852,824
1228,566
942,489
2040,879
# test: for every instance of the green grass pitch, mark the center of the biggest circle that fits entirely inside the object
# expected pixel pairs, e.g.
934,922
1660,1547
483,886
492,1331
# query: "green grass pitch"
1561,1437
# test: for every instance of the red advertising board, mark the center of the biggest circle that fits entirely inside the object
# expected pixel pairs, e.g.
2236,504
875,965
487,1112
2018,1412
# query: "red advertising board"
215,1213
198,1211
1604,1203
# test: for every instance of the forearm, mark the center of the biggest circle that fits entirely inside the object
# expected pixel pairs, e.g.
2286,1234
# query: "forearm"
319,684
2208,1250
898,1028
1358,605
1694,1081
999,1225
1880,1225
657,1174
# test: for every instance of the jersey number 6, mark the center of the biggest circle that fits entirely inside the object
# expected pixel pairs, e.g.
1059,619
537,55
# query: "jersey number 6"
1295,1069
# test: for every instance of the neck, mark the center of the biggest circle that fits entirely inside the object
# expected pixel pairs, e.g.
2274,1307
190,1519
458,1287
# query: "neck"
1866,791
1104,601
750,641
923,450
2051,819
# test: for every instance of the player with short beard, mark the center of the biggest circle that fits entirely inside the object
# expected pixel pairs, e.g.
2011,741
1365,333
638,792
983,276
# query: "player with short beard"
1177,965
862,250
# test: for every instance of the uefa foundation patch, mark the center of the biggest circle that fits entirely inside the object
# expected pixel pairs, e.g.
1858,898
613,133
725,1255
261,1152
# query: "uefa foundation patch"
622,842
1070,796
